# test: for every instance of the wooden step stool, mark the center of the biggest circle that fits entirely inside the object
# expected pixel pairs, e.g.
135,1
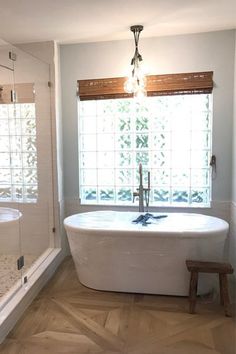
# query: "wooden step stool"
222,269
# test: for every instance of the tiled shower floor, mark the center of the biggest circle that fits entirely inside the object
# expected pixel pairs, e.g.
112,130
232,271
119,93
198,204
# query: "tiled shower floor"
9,274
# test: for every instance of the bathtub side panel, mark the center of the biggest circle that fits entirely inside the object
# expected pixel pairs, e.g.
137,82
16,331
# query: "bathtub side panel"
152,264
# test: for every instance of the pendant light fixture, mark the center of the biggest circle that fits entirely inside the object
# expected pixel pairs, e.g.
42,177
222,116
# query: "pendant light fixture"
136,82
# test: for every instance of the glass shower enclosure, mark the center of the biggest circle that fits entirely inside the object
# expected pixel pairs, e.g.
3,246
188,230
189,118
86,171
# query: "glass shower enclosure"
27,227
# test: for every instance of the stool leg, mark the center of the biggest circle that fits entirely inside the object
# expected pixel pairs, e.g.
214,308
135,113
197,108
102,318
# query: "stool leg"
193,291
221,292
225,294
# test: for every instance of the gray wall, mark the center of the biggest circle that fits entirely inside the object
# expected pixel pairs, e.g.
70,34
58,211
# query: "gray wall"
174,54
234,135
232,238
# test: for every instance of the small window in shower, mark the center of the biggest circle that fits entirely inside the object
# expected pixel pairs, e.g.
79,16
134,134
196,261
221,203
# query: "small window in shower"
18,153
171,135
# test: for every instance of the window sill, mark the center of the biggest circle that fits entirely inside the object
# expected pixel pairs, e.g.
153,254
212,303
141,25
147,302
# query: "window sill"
135,206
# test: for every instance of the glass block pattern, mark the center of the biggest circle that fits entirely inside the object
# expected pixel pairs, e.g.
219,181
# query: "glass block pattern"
169,135
18,153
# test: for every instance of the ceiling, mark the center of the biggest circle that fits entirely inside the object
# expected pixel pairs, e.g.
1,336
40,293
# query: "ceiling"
75,21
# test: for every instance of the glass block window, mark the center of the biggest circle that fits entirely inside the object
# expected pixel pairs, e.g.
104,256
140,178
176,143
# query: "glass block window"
169,135
18,153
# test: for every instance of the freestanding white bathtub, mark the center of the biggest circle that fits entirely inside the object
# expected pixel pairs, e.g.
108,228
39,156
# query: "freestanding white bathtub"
112,253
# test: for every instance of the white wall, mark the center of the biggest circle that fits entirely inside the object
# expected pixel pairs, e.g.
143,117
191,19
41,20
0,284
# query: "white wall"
184,53
41,50
58,155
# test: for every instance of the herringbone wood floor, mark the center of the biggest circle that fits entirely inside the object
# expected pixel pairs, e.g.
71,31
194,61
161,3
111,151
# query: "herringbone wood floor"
69,318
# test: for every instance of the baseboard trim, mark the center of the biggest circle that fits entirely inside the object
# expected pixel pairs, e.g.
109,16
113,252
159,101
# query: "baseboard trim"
26,294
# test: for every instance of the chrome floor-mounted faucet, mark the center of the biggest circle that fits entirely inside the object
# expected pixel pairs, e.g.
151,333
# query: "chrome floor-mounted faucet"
142,193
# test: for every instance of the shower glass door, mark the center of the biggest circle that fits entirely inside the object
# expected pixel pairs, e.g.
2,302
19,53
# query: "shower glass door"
10,245
34,144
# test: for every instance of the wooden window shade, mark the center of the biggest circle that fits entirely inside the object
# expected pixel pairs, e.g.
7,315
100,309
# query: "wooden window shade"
157,85
24,93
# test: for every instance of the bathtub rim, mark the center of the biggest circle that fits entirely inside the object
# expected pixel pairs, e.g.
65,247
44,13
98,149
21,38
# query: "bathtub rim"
140,231
13,212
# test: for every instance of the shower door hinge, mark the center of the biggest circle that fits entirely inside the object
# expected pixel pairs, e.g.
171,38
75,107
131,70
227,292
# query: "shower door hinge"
20,262
13,96
53,229
12,56
49,84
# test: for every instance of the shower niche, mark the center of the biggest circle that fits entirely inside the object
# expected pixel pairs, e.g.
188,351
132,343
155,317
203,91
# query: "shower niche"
27,223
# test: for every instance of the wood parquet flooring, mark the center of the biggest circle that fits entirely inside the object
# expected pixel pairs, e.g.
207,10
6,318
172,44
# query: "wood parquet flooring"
68,318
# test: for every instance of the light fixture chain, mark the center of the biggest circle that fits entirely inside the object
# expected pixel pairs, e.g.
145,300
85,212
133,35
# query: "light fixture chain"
136,82
137,56
136,38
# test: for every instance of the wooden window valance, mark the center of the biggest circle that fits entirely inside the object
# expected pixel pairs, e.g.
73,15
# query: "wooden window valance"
157,85
24,93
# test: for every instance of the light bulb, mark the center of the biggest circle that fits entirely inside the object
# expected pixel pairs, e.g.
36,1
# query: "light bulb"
136,81
129,86
142,82
140,94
